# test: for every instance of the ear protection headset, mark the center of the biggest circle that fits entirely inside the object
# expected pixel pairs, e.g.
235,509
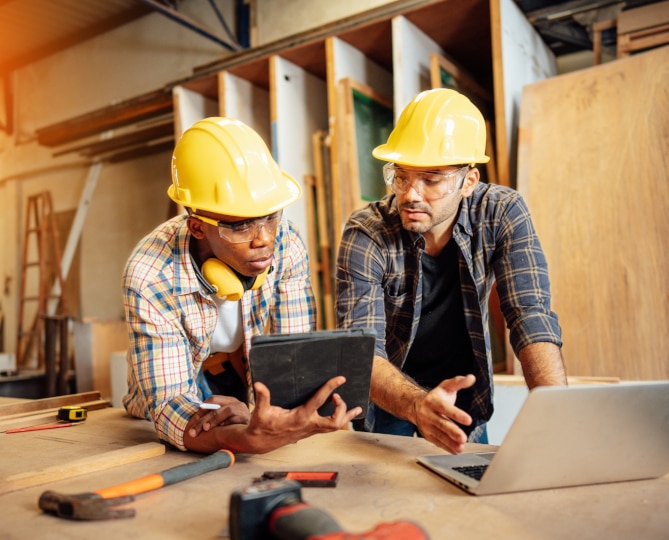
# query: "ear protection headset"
228,284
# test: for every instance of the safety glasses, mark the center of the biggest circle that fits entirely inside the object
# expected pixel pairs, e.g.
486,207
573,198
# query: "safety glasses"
430,184
246,230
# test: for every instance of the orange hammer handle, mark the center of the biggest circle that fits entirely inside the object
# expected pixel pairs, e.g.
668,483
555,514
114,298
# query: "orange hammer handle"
219,460
134,487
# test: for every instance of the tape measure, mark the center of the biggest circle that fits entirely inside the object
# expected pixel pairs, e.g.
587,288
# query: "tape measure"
72,413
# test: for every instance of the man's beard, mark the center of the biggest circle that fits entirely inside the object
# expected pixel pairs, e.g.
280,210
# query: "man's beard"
423,226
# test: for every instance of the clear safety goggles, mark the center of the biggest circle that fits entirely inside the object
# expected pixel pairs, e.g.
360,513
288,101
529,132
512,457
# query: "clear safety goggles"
430,184
246,230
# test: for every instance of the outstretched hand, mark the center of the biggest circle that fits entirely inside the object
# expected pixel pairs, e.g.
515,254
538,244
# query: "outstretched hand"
436,414
267,427
271,427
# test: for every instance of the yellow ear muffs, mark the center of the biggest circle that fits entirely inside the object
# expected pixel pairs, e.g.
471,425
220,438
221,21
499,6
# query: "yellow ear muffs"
226,282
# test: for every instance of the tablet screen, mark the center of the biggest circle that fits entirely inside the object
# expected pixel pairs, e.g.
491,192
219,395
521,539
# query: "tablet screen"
295,366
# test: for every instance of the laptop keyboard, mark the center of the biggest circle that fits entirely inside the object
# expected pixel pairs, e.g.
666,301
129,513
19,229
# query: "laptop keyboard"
473,471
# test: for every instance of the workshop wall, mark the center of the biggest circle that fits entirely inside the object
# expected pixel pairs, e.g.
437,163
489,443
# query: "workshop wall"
129,197
278,19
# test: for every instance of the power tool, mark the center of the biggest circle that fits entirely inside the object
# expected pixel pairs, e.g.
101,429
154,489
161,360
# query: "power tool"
274,509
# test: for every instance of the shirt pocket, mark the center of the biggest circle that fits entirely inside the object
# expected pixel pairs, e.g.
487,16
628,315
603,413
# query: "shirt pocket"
397,290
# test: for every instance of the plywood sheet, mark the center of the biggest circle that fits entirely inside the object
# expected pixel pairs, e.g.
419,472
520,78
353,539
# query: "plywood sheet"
594,169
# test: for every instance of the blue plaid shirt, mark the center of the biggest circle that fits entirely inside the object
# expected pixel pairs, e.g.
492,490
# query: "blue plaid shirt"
171,319
379,279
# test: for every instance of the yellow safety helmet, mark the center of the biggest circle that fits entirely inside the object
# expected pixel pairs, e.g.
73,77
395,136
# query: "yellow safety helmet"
438,127
223,166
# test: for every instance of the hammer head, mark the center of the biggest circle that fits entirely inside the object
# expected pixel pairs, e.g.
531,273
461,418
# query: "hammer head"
85,506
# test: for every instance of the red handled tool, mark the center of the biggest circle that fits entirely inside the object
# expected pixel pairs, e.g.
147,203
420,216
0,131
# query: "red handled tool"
274,509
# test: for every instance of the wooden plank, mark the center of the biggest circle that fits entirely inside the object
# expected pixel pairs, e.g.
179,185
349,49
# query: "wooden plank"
346,61
597,30
43,417
361,135
298,98
312,245
631,20
82,466
335,144
465,83
640,40
48,403
412,50
324,225
119,115
132,138
243,100
520,57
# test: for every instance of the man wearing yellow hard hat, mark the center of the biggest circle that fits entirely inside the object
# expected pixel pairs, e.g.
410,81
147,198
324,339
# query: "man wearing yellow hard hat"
199,286
419,265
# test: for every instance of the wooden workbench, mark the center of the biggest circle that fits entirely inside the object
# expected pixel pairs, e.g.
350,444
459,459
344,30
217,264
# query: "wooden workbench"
379,480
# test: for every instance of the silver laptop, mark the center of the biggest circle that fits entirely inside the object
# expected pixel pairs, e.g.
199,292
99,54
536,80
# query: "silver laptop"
571,436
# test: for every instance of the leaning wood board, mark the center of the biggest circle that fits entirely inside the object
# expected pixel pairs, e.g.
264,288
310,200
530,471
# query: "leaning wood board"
594,170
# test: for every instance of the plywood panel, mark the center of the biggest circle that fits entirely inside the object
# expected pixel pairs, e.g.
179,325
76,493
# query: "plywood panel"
520,57
346,61
189,107
299,109
411,62
242,99
593,167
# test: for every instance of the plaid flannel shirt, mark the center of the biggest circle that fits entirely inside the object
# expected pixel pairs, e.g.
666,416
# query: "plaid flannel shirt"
379,279
171,319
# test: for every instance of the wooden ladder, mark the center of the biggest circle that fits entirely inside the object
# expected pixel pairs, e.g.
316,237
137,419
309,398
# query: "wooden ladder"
41,252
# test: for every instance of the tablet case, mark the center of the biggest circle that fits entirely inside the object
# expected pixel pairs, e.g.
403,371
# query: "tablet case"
295,366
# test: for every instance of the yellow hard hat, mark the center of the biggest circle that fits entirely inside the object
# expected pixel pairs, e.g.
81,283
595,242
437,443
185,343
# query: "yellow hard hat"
438,127
223,166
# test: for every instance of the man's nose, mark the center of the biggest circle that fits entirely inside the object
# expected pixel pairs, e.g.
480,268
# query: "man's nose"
414,190
263,235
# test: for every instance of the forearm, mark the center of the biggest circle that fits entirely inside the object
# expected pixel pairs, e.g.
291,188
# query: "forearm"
394,391
236,437
542,365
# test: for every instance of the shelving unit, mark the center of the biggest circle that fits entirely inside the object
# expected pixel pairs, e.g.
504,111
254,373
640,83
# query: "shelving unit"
293,89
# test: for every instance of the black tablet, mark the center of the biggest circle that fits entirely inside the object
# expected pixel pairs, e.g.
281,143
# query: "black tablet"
295,366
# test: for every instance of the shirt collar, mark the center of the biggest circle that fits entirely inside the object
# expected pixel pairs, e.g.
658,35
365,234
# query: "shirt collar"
187,276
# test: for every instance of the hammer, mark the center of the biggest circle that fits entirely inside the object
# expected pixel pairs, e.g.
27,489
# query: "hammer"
100,504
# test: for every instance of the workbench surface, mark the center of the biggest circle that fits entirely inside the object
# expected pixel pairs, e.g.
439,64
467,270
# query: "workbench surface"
379,481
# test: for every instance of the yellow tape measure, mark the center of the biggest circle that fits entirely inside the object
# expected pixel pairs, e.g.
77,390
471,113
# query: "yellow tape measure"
72,413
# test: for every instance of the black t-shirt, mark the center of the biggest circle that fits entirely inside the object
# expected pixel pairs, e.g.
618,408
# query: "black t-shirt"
442,348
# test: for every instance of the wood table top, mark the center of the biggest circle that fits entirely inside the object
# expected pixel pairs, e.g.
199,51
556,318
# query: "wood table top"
379,481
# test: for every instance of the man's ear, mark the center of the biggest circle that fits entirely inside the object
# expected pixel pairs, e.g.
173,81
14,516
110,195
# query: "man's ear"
471,180
196,227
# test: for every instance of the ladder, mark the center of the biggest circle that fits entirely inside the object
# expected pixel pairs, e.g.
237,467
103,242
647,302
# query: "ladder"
41,253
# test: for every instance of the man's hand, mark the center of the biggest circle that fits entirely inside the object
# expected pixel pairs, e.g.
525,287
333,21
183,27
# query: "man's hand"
436,415
267,427
231,411
271,427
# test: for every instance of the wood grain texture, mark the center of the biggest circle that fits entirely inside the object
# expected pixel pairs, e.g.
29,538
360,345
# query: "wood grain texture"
77,467
593,169
379,481
24,407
